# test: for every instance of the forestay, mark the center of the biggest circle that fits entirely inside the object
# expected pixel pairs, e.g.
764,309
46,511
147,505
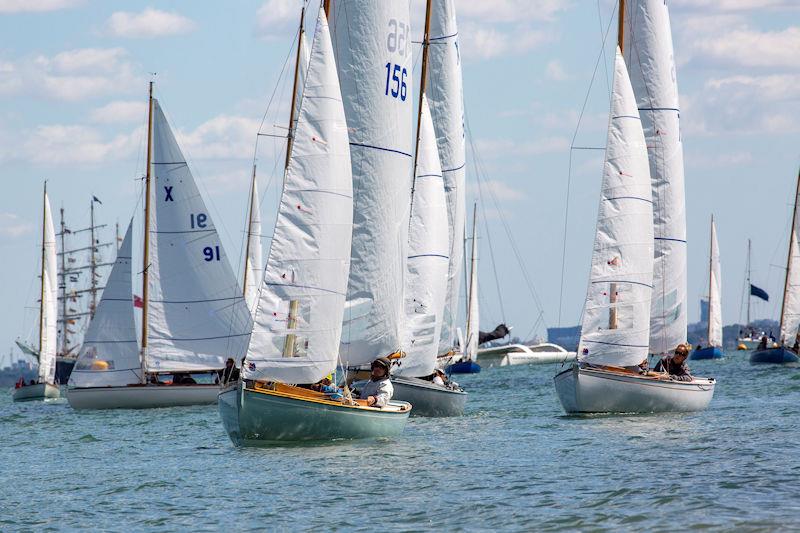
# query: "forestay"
473,316
197,314
253,261
790,318
298,321
49,302
426,285
372,42
444,92
616,316
110,352
714,293
649,55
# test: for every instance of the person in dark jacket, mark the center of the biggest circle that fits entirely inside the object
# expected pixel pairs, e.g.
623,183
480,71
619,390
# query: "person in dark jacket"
675,364
230,373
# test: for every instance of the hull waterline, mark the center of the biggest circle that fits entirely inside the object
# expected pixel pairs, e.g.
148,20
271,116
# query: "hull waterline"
141,396
775,356
255,417
585,390
711,352
429,399
39,391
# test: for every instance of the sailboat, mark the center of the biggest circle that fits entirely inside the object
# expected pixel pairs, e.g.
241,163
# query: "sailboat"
298,321
45,387
616,333
750,337
193,314
790,308
468,362
714,348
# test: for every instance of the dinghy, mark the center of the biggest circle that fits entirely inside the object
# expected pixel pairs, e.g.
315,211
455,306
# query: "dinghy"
194,313
714,348
46,387
298,319
790,308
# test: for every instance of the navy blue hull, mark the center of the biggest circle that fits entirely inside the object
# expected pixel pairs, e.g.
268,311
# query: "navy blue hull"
775,356
463,367
712,352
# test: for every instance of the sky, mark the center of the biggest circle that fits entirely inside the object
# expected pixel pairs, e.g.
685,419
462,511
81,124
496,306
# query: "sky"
73,93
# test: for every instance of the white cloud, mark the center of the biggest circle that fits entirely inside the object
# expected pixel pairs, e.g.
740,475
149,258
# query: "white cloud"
501,191
58,144
511,10
503,148
149,23
276,15
734,5
222,137
37,6
12,225
120,112
485,42
555,71
751,48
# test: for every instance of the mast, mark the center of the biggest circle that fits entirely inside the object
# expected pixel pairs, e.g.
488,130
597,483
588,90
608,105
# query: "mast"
290,139
327,6
749,287
710,269
64,323
146,254
41,273
621,27
792,237
422,82
249,231
92,261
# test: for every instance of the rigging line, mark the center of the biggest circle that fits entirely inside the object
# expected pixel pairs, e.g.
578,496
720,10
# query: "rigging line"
569,167
491,253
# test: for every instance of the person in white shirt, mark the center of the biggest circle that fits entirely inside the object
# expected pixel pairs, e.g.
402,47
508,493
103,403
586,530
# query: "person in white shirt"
378,390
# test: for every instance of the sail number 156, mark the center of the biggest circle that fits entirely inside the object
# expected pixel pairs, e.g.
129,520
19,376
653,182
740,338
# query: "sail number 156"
396,81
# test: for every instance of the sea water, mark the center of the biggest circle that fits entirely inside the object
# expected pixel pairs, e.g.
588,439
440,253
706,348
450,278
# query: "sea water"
513,462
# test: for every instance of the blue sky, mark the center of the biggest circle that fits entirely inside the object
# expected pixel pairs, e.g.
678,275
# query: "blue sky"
73,83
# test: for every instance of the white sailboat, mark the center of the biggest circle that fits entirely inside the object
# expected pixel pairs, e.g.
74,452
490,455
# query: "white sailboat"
714,332
252,259
616,325
298,323
45,387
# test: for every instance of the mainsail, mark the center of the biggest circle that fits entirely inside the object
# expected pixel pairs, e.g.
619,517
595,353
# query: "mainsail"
444,92
473,316
714,292
649,55
197,314
616,315
110,353
253,261
298,322
790,311
48,315
428,249
372,42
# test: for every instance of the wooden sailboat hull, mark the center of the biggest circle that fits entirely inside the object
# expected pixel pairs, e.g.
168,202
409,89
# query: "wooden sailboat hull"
39,391
429,399
589,390
256,417
775,356
141,396
520,354
711,352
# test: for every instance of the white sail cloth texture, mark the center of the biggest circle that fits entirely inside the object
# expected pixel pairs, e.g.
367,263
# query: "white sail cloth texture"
445,97
649,56
109,355
473,313
714,293
790,321
298,322
196,310
253,261
49,312
428,246
616,316
372,43
302,69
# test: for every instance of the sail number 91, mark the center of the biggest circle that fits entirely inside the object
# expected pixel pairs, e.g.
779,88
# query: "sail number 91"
211,254
397,75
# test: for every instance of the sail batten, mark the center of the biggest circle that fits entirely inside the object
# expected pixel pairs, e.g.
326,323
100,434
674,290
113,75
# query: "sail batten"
616,316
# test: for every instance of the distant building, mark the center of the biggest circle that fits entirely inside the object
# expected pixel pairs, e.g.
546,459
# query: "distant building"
704,311
567,338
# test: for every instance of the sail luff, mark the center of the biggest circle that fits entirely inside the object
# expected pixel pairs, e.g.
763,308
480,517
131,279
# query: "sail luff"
251,279
146,244
48,309
714,291
295,86
790,307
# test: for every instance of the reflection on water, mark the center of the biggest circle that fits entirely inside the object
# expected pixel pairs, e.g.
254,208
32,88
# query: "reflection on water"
513,462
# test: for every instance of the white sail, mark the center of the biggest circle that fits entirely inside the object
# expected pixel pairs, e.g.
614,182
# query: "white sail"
444,92
426,284
714,293
616,316
473,316
197,314
790,318
253,261
302,69
49,304
372,41
109,355
298,322
649,55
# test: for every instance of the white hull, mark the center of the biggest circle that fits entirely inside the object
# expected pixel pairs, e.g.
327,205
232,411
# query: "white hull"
429,399
141,396
588,390
39,391
520,354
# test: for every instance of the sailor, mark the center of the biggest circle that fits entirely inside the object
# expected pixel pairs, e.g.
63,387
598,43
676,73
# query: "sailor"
378,390
438,377
230,373
675,364
762,345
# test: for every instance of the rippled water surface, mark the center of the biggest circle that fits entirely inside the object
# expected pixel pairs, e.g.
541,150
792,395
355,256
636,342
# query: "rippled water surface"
514,462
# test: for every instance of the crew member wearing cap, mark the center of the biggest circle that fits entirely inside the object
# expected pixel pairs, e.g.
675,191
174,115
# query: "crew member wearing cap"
675,364
378,390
